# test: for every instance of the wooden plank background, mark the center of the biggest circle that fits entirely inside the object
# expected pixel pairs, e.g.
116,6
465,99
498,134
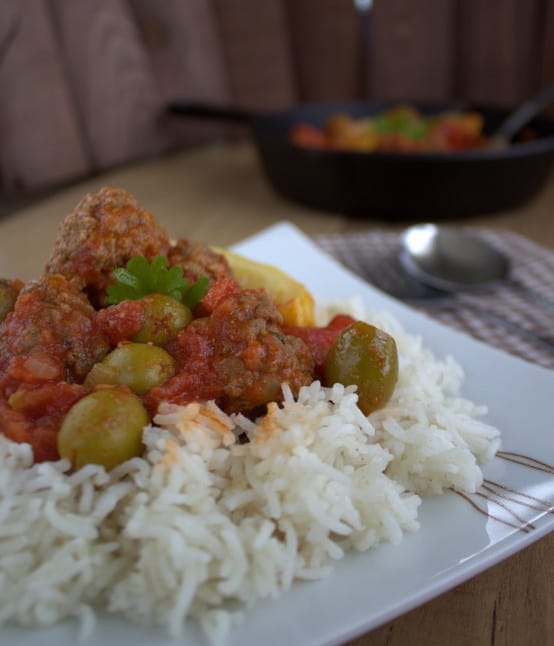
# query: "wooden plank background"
83,85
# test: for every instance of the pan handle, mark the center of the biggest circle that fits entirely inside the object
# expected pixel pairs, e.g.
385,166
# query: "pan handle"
209,111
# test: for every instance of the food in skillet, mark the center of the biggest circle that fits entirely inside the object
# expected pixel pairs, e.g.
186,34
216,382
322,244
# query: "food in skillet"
399,129
193,482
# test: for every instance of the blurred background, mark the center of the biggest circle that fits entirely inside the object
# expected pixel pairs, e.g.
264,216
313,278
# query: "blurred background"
83,84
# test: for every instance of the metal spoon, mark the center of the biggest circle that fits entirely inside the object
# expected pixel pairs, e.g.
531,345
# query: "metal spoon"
453,261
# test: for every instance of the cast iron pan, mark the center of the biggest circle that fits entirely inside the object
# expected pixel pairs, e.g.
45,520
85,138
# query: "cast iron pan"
392,185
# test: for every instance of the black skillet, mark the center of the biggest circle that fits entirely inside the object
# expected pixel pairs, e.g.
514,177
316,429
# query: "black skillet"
392,185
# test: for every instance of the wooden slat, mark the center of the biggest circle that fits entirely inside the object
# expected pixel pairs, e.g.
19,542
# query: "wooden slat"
83,85
411,49
184,48
257,49
112,78
499,50
41,140
326,48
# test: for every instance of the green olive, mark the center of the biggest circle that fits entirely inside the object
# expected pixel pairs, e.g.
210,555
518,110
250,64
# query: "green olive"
8,296
365,356
140,366
103,428
164,317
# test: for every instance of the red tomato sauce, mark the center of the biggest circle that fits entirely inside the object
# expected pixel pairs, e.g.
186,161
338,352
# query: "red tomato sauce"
320,339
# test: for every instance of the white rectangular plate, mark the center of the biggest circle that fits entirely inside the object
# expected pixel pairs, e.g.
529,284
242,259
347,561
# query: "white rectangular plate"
454,543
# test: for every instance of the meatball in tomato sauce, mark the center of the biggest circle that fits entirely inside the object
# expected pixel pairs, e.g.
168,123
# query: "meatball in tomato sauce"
51,335
197,259
48,343
102,233
238,355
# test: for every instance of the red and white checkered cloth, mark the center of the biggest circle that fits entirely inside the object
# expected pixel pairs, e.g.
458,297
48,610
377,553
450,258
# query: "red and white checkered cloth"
510,316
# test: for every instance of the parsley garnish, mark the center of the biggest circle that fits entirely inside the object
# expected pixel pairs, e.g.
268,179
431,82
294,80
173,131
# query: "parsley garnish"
141,278
399,123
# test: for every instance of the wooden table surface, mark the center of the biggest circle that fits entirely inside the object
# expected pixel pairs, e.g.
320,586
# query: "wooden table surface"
217,194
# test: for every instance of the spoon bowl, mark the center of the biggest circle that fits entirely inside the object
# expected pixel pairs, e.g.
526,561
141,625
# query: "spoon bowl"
451,260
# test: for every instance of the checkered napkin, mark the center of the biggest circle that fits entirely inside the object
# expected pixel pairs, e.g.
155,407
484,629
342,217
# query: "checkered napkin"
517,316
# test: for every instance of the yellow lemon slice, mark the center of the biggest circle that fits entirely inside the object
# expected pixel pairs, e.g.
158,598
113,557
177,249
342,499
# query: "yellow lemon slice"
293,299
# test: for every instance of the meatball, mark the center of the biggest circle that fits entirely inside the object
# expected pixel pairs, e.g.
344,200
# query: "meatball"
103,232
9,289
197,259
51,335
239,356
255,356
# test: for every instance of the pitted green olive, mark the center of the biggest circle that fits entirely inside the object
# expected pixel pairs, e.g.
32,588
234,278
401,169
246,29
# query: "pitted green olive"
365,356
164,317
104,427
140,366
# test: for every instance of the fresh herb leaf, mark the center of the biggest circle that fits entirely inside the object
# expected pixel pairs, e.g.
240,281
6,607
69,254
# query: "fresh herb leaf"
196,292
411,126
384,125
117,293
141,278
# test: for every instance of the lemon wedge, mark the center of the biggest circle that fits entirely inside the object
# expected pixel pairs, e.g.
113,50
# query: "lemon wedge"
293,299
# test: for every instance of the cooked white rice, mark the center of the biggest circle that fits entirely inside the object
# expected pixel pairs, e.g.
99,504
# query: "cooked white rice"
204,523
